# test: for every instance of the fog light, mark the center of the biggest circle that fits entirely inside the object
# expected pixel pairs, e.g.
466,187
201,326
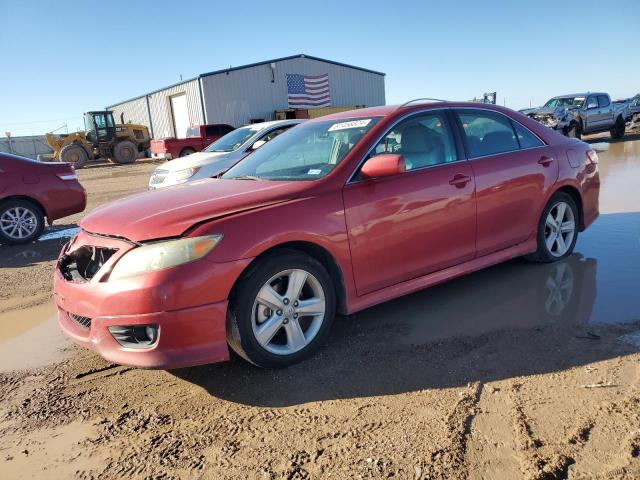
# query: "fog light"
135,336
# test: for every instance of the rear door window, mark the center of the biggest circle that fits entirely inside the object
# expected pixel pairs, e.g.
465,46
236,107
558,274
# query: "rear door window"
603,101
526,138
487,133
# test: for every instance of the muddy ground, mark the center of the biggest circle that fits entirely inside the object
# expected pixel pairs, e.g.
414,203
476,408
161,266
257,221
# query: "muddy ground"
518,371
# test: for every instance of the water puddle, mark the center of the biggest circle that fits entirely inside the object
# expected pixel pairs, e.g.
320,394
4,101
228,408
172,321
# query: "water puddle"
30,338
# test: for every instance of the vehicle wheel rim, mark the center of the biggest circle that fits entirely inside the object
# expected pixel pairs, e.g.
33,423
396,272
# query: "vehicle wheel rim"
559,229
288,312
559,289
18,223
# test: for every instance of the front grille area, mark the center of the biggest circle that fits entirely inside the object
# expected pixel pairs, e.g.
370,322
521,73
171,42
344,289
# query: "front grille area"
84,322
83,263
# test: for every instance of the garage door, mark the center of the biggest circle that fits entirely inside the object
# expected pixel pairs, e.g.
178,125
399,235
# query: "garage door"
180,115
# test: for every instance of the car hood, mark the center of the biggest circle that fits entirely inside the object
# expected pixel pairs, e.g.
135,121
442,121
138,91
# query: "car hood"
556,111
194,160
169,212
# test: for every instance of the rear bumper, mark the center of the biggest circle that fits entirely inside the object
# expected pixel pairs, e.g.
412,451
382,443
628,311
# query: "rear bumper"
162,156
186,337
71,200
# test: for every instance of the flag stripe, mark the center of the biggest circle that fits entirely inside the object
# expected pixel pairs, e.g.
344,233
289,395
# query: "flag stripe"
306,97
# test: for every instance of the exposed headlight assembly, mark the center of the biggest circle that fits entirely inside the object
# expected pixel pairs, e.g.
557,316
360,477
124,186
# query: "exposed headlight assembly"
164,254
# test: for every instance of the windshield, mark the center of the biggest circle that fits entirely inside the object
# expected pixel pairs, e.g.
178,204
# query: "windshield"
565,102
233,140
306,152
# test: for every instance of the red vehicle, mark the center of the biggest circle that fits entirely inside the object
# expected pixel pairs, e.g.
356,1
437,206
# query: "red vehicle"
198,137
335,215
31,191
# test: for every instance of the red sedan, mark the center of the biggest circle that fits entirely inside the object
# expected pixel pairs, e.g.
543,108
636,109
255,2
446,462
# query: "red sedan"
31,191
335,215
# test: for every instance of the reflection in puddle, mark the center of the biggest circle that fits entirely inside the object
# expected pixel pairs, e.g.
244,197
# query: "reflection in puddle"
64,233
30,338
599,284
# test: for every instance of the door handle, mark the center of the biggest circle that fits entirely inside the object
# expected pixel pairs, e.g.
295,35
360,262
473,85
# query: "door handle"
460,180
545,161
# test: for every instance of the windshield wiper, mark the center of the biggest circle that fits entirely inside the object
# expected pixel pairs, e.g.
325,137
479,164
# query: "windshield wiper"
244,177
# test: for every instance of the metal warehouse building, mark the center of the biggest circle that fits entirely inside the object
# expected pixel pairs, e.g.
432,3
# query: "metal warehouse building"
245,94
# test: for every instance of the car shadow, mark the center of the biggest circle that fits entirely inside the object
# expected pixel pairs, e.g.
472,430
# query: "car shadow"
46,248
510,320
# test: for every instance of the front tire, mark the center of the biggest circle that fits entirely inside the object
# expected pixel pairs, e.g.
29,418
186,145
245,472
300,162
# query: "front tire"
20,222
74,154
557,229
575,130
282,310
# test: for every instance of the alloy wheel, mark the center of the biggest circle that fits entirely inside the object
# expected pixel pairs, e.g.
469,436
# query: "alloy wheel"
288,312
560,228
18,223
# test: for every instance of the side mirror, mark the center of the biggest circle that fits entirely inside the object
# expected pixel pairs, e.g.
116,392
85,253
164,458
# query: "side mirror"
383,165
258,144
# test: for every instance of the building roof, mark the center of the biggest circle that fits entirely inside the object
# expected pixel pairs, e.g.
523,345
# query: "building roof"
250,65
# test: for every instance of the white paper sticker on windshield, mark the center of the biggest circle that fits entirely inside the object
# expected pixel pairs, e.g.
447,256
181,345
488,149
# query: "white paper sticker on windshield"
314,171
352,124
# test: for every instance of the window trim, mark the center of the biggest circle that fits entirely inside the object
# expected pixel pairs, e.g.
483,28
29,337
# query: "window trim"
511,120
352,178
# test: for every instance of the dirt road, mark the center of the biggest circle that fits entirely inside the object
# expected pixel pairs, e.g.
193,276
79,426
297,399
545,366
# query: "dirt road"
517,371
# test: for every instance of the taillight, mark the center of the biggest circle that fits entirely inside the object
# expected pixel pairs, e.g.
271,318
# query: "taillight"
593,156
67,176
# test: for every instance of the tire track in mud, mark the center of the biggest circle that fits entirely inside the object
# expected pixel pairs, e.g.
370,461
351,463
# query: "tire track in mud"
449,461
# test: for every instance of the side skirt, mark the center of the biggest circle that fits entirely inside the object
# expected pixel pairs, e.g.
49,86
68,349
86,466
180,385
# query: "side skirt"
415,284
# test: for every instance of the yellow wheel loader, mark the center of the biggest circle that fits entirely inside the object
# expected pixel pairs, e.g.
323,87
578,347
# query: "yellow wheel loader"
102,138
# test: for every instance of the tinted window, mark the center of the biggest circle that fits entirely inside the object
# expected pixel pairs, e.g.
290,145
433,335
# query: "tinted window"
423,141
592,102
487,133
274,133
603,100
212,131
526,138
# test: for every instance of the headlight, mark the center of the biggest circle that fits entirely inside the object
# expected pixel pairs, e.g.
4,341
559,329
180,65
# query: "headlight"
183,175
160,255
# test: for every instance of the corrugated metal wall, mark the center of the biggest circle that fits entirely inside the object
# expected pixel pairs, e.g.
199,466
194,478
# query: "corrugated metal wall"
242,95
28,146
249,94
160,106
134,111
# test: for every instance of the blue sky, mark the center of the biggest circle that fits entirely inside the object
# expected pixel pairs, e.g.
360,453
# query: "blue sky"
62,58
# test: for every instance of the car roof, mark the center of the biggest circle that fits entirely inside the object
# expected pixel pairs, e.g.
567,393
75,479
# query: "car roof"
584,94
385,110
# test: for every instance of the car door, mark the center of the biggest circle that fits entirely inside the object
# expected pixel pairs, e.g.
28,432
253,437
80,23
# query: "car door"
513,171
592,117
606,111
417,222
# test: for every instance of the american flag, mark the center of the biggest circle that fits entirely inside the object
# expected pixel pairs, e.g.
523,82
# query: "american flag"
308,91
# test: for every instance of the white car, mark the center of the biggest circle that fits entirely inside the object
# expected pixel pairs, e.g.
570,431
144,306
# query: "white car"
220,155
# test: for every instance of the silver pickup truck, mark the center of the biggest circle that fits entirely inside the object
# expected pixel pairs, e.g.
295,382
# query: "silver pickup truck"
580,113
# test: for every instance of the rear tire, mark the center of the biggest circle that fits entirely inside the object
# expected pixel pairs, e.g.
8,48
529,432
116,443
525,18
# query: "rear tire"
187,151
20,222
271,330
74,154
575,130
557,229
618,129
125,152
